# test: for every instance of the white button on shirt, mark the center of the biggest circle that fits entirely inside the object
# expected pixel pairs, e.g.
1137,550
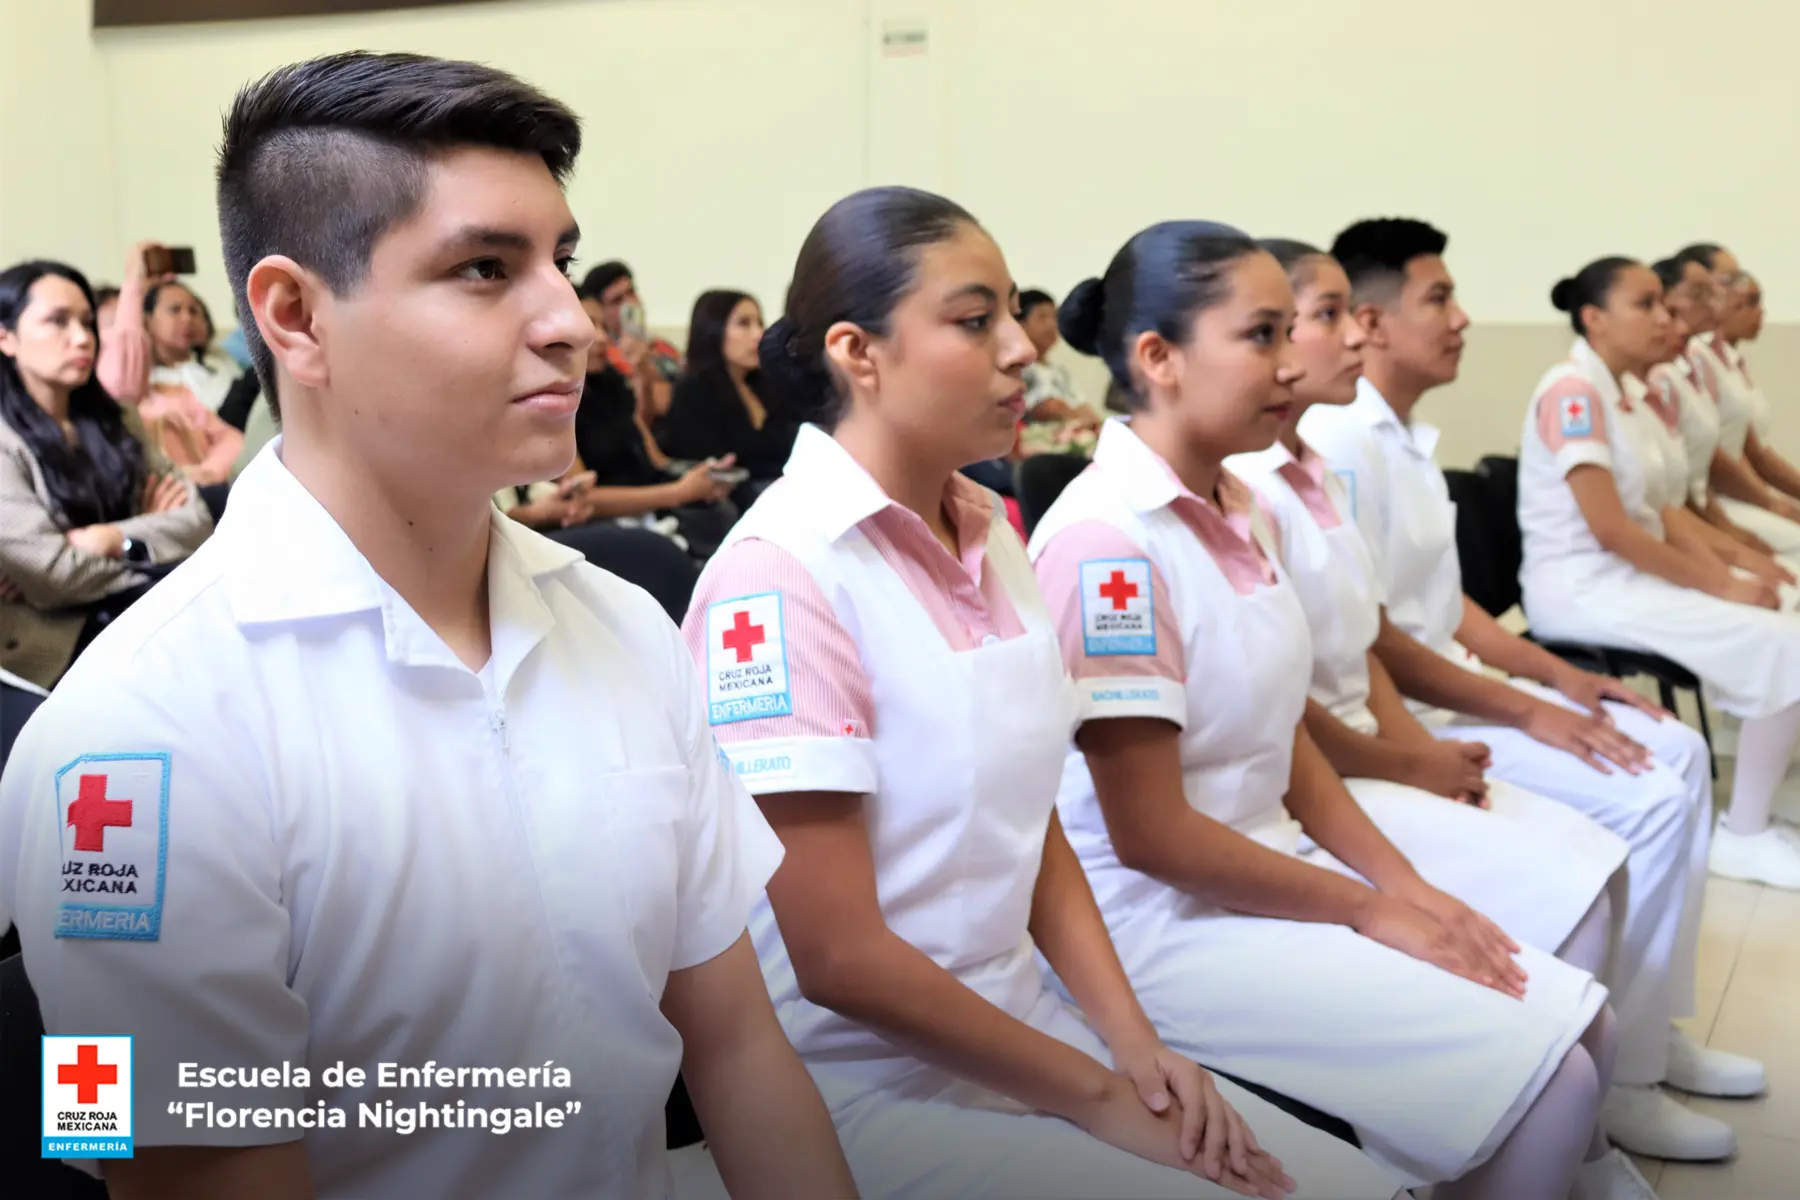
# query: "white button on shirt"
364,852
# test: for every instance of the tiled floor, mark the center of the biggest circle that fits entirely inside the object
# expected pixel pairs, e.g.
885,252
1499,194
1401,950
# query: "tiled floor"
1749,1002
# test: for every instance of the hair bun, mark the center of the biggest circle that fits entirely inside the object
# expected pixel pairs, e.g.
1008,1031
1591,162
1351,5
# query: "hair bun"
1562,296
804,386
1081,316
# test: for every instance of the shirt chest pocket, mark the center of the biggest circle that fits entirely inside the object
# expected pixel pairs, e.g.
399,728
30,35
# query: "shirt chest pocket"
610,862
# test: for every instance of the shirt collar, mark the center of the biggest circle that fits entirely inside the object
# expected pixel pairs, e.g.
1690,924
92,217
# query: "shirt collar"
1139,476
1373,409
289,560
848,495
1593,368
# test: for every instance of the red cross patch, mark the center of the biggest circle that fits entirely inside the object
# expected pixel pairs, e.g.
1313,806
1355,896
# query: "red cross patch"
115,843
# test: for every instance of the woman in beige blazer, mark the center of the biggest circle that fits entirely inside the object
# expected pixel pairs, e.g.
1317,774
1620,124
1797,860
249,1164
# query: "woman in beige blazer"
88,516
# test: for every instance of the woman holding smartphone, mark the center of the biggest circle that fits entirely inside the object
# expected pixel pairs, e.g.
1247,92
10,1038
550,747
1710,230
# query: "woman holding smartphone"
883,676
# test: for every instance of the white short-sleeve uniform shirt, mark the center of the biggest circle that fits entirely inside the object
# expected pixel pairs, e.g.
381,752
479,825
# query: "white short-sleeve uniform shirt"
347,846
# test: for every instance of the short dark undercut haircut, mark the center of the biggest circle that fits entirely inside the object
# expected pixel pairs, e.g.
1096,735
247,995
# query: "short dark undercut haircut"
1030,298
1374,254
321,158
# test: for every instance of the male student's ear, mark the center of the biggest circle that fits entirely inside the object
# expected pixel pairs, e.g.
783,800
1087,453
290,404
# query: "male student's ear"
285,299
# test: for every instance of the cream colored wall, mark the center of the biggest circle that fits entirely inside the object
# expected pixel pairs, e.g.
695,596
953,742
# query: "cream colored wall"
1539,133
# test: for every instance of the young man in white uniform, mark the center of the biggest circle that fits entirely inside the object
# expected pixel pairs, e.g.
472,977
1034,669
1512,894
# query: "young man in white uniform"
1656,793
442,794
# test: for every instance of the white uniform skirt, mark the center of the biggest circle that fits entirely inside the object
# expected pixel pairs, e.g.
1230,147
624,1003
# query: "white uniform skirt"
931,1134
1532,866
1431,1070
1748,657
1782,534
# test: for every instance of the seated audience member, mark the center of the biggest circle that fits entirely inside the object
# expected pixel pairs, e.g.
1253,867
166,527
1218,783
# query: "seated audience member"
623,475
719,407
106,309
149,364
87,515
1050,393
633,351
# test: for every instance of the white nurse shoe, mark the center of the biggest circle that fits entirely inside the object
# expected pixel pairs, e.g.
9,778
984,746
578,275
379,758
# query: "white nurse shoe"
1703,1071
1614,1177
1611,1177
1769,857
1646,1120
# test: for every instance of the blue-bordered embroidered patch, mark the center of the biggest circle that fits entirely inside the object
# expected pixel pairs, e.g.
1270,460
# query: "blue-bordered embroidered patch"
746,660
1117,611
114,824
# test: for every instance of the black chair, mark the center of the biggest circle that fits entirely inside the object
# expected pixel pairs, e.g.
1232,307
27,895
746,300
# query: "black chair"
1489,544
640,556
1040,479
22,1168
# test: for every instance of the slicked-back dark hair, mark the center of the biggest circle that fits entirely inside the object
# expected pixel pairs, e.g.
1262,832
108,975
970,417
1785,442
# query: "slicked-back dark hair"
1030,298
321,158
1704,253
1374,253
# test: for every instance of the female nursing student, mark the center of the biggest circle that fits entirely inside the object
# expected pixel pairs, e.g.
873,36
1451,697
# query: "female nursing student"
1686,385
1598,566
1249,944
883,675
1523,871
1749,497
1688,432
1530,864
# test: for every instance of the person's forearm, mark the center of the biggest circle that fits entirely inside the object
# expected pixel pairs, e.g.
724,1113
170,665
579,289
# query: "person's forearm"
1713,513
1353,754
1332,818
123,367
1070,932
1493,645
1427,676
1393,720
1654,556
766,1127
634,501
221,456
1692,534
889,985
1137,771
1775,470
1737,479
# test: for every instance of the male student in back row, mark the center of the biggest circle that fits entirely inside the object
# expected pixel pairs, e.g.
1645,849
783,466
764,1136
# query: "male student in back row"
397,779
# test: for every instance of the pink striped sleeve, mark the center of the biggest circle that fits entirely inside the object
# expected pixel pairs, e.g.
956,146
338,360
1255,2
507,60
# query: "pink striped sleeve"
1116,623
1571,420
789,701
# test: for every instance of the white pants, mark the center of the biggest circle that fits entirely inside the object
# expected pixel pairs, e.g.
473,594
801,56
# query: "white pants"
939,1136
1665,817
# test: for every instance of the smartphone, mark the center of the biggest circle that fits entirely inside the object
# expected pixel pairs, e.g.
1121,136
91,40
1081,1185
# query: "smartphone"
631,322
731,475
169,260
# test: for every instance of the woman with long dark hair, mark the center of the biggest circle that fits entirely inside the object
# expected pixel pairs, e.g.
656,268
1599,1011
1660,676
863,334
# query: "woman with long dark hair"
86,513
720,406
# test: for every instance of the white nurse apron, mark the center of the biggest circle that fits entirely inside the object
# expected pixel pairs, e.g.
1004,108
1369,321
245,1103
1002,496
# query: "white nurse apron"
1431,1070
1533,866
1575,590
1743,407
969,747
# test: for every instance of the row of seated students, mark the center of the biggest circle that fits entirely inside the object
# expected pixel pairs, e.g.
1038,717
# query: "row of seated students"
999,841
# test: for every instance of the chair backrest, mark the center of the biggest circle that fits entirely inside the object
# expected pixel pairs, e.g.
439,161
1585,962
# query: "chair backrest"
1040,479
1485,576
1506,545
640,556
23,1168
